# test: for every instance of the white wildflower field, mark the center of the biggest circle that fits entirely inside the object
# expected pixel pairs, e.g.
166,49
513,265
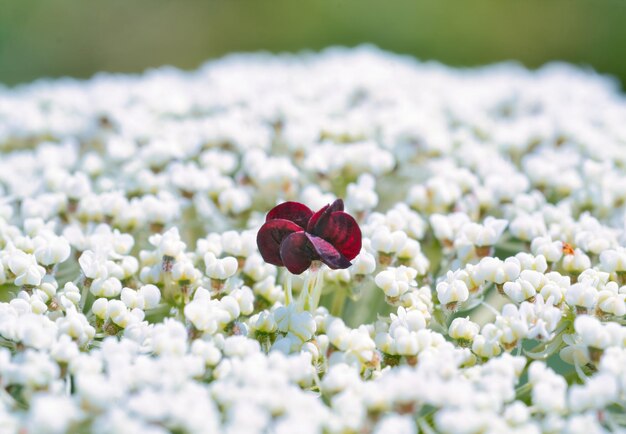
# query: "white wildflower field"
487,206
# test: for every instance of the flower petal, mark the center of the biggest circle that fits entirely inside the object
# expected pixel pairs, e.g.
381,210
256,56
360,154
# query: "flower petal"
327,253
297,253
319,218
343,232
271,235
296,212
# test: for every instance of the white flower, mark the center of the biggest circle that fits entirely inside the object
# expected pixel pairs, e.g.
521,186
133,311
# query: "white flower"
151,296
396,281
70,294
301,324
64,350
437,194
486,234
207,350
93,265
555,286
463,421
239,244
51,414
396,424
129,266
527,286
100,308
363,264
498,271
358,344
528,226
53,250
340,377
592,332
531,262
548,388
486,344
212,243
517,413
409,250
75,325
361,196
184,272
108,287
234,200
131,298
598,392
541,316
118,312
452,291
577,262
159,210
446,227
385,241
230,306
583,423
268,290
169,337
263,322
257,269
512,324
32,330
208,315
613,260
168,244
240,346
612,302
463,329
26,269
582,294
244,298
551,250
220,269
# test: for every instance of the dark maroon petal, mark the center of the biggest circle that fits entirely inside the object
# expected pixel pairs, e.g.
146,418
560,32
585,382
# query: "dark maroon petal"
292,211
297,253
320,217
343,232
271,235
328,254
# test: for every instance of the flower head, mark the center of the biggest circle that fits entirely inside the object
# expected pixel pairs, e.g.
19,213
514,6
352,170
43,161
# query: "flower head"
293,236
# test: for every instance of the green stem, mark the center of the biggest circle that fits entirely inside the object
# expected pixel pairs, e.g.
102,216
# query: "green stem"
288,290
339,300
523,390
84,294
168,288
316,290
424,426
303,298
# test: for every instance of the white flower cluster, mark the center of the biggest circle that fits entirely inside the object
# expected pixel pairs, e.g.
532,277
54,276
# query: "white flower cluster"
488,297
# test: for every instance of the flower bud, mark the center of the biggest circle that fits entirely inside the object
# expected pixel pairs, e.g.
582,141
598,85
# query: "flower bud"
455,291
363,264
53,251
151,295
109,288
131,298
220,269
463,329
100,308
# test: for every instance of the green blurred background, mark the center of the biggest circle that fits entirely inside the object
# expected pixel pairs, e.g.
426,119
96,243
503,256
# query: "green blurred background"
80,37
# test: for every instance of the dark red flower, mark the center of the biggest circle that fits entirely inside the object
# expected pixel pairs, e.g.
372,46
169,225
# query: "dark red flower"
293,236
